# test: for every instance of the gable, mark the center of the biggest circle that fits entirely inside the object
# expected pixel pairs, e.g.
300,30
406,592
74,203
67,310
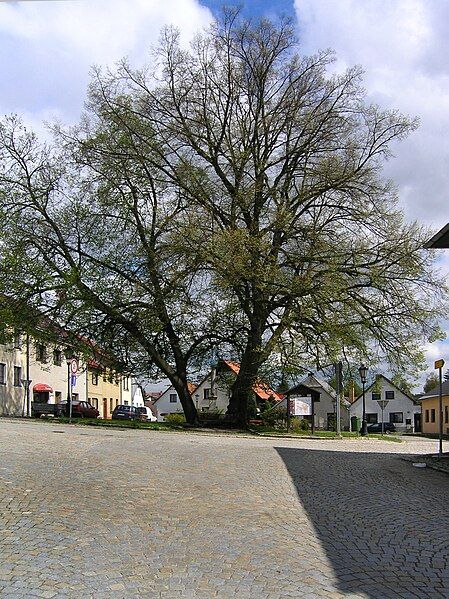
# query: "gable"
386,385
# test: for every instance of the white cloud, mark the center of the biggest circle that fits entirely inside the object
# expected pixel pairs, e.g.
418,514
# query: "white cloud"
404,48
48,47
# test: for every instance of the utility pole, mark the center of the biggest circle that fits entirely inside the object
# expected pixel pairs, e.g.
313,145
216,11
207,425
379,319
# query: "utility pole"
338,391
439,366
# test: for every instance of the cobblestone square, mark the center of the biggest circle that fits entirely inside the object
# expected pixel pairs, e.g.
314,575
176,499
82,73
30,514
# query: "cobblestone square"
89,512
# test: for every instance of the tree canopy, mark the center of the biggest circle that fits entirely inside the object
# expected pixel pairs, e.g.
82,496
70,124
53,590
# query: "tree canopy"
230,197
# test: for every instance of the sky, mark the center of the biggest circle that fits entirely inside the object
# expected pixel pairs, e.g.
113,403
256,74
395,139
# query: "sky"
48,46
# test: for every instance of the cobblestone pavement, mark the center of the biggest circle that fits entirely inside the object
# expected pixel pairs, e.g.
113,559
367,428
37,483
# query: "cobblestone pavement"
101,513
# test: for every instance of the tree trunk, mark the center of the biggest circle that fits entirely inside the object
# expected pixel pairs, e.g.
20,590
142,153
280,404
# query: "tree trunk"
186,400
237,411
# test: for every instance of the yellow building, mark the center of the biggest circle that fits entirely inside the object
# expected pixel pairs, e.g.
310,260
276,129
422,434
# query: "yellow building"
106,388
430,410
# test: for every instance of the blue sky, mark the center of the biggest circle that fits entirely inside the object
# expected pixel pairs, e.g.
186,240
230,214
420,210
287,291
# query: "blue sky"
256,7
47,48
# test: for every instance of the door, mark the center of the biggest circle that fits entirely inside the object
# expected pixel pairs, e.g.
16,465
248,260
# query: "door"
417,423
105,408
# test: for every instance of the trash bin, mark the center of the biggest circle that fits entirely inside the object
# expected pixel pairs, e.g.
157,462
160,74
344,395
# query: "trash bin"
355,424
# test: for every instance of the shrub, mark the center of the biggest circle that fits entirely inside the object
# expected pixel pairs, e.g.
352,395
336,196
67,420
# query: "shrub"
273,417
299,424
175,419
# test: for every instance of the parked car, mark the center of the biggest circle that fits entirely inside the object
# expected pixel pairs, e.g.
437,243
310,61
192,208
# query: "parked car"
146,414
125,413
389,427
80,409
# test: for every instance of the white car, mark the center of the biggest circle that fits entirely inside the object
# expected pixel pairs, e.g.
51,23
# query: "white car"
150,417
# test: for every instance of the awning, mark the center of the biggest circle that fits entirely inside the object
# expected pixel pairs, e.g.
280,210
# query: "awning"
42,387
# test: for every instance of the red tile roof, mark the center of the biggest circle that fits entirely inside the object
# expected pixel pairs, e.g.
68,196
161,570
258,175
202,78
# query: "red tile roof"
261,389
191,387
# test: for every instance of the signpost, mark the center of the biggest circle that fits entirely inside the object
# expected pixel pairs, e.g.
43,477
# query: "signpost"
439,366
383,404
298,406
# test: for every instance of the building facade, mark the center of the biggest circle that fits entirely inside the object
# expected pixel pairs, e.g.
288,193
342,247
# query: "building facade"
42,371
402,410
106,388
169,403
36,371
430,417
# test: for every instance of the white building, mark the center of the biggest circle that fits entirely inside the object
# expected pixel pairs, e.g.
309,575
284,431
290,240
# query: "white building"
137,395
169,403
401,409
213,392
44,365
50,374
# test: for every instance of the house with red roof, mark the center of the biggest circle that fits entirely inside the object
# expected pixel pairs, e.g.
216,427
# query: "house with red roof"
214,391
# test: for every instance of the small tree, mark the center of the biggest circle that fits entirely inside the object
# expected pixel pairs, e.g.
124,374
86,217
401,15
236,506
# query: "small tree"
431,382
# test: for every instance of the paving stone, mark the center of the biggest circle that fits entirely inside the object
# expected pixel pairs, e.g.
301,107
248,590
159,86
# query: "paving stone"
97,513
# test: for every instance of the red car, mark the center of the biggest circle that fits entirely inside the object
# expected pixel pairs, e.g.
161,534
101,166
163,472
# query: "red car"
80,409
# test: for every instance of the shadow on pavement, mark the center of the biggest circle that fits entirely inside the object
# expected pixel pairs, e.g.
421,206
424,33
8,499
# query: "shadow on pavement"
383,524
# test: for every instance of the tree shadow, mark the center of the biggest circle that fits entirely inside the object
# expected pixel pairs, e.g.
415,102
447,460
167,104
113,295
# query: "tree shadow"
383,524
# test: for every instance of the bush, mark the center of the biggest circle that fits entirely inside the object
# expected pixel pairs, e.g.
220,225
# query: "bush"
273,417
299,424
175,419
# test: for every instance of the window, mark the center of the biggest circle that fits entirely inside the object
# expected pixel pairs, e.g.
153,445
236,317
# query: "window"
41,353
375,396
17,340
126,403
389,394
2,374
446,414
173,398
57,357
111,404
206,393
116,402
371,418
397,417
427,415
75,397
58,396
432,415
95,378
126,383
17,376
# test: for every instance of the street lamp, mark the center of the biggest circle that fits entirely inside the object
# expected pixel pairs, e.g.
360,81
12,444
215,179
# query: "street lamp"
71,359
26,400
363,370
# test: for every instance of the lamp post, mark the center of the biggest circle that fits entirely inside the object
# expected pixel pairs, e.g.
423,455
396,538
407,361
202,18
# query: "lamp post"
72,367
26,400
363,370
